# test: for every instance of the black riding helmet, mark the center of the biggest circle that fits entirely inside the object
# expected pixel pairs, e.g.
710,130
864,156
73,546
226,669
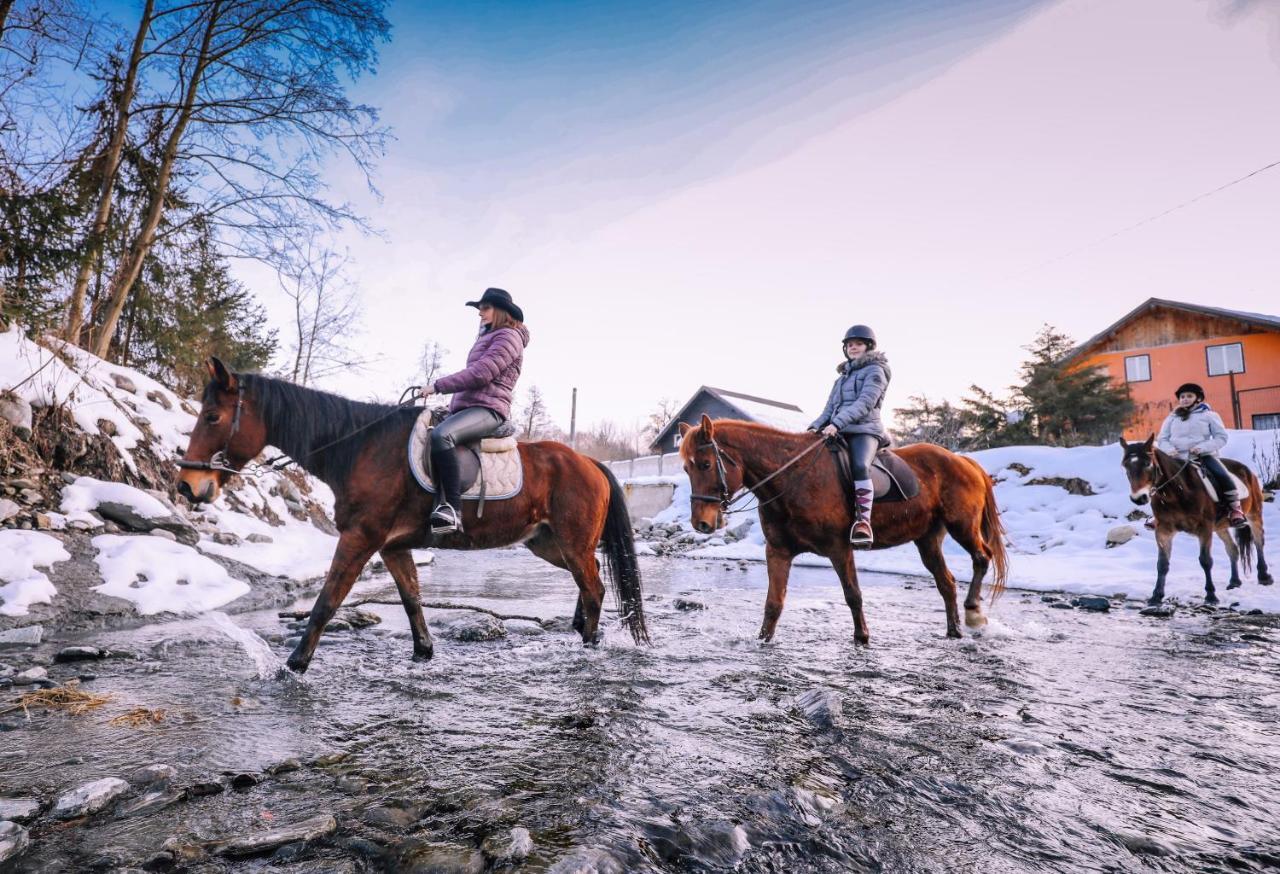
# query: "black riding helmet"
860,332
1189,387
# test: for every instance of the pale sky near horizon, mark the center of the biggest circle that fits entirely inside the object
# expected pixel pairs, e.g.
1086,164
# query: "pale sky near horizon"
680,198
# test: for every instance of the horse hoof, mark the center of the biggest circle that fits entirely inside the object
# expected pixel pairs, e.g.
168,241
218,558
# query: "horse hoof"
423,655
1234,584
297,664
1211,600
1265,581
954,633
1153,601
864,640
974,618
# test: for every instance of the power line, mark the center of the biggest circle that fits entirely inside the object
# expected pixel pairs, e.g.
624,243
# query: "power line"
1146,221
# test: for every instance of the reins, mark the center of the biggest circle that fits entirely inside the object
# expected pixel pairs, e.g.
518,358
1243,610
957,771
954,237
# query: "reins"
727,500
1170,480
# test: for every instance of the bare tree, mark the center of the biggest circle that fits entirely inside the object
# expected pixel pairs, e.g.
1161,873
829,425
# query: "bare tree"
658,419
534,418
326,314
431,361
253,100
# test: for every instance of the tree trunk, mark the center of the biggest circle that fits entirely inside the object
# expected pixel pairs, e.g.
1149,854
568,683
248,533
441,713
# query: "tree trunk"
111,164
126,273
5,6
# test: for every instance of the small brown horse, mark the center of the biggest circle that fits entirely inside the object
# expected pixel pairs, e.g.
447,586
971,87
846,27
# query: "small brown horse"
1180,503
804,509
568,504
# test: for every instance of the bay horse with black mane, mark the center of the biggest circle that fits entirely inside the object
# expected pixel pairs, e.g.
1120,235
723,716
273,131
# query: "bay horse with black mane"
803,508
1180,502
569,503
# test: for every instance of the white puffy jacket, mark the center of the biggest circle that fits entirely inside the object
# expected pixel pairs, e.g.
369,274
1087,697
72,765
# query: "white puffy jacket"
1202,430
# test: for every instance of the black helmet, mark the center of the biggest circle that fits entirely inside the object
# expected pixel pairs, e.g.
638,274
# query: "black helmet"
1189,387
860,332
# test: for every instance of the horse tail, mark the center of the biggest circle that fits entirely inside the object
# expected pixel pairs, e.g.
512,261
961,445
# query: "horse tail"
1244,534
620,558
993,534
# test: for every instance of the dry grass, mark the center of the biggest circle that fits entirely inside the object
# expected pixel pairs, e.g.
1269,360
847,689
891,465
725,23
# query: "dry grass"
138,717
69,698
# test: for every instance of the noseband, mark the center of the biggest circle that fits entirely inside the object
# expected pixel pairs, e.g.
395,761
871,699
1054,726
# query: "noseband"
220,462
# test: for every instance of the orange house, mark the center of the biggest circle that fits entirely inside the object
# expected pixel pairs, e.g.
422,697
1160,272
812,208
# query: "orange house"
1161,344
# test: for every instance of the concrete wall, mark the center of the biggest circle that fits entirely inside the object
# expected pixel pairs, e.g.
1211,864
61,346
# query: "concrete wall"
646,500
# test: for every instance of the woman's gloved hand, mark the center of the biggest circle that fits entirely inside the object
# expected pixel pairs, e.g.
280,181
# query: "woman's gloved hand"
830,431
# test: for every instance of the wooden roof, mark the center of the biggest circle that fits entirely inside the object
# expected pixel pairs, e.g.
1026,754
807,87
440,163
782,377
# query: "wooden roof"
1256,321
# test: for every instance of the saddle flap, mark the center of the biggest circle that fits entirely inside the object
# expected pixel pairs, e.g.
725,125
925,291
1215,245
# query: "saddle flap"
486,474
892,478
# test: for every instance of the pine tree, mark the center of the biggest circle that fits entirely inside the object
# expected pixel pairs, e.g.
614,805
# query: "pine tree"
1071,406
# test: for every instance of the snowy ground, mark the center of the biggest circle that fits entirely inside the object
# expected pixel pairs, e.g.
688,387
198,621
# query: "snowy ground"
1056,540
253,523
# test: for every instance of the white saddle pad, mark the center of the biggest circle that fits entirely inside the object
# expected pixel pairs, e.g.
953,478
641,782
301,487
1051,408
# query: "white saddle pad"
501,470
1213,492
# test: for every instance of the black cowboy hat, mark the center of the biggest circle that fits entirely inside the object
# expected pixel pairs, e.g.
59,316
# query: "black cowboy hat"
1189,387
501,299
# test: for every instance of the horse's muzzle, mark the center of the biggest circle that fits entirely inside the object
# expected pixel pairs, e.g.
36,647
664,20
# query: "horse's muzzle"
1140,499
704,527
206,493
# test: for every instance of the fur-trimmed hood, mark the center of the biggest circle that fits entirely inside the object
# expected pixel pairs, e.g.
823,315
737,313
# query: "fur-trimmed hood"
873,357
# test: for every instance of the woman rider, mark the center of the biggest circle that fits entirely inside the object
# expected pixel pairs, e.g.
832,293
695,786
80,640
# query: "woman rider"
1194,431
482,394
853,411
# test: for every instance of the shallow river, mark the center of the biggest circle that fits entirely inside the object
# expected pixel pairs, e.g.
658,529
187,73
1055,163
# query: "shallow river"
1051,740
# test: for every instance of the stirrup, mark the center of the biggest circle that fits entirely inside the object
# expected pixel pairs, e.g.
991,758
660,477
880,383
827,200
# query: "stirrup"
445,519
860,534
1237,519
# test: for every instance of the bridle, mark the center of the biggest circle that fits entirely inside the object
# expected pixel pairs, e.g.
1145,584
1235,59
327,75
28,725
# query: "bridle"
220,461
725,498
1153,461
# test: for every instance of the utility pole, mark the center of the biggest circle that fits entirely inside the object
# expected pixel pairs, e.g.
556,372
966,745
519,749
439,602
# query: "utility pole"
1235,399
573,421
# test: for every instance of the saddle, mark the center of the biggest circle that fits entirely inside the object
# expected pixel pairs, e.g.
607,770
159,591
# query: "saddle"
892,479
1212,488
491,467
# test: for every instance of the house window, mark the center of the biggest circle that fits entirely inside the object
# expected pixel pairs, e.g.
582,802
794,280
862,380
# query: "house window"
1228,358
1137,368
1266,422
676,438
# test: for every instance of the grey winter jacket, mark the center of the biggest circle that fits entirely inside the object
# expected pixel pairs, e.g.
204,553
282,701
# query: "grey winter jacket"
854,404
1203,431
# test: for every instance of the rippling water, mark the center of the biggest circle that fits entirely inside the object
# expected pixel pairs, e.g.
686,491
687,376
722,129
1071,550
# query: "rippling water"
1051,741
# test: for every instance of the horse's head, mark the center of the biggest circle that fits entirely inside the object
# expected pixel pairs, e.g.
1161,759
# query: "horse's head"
1141,467
714,475
227,435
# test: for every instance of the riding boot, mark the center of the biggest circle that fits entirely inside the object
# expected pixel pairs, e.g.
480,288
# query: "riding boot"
447,517
861,535
1235,513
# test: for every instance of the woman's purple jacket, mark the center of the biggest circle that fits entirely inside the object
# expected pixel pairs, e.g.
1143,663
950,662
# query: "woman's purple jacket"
493,366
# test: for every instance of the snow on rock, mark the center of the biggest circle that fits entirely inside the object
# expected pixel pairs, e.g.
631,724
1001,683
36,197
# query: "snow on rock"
87,493
161,576
1058,540
21,585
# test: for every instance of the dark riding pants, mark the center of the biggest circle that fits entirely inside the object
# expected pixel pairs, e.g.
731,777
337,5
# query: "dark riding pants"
463,426
863,449
1221,478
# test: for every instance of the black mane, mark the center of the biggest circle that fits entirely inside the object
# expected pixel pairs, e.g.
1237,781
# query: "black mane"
323,433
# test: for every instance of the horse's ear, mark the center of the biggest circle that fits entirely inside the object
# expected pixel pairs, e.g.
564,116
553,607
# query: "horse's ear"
1150,441
221,374
1124,446
708,429
685,428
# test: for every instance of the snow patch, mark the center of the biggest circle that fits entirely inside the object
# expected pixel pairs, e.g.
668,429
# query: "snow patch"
160,576
86,493
21,552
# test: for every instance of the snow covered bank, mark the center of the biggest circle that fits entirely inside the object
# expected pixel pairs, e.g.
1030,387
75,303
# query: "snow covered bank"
1056,540
21,585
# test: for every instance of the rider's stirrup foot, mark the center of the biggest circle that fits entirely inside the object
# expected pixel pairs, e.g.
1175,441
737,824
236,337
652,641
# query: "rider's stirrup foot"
860,535
445,520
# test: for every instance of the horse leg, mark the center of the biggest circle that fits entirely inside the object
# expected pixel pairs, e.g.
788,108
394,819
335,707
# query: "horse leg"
1233,553
842,561
778,563
1264,575
971,539
400,563
586,573
1164,541
353,552
1206,562
930,547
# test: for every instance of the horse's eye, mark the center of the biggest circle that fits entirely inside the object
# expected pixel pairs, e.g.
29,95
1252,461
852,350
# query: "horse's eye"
211,418
704,465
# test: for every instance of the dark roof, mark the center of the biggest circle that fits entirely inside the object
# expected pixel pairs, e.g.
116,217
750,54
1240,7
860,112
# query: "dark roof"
727,397
1258,320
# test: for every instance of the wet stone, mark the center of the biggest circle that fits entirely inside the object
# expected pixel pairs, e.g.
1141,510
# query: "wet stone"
420,857
245,781
394,817
688,604
207,787
1061,605
820,706
149,803
1092,603
31,676
311,829
19,810
476,629
27,635
284,767
1159,611
13,840
157,774
78,654
89,798
558,623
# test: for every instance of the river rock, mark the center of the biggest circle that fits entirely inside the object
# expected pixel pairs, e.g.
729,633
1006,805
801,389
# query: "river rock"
820,706
1120,535
13,840
512,847
149,803
1061,605
30,676
78,654
687,604
359,618
89,798
158,774
1093,603
19,810
1160,611
422,857
319,826
27,635
8,509
284,767
476,629
130,519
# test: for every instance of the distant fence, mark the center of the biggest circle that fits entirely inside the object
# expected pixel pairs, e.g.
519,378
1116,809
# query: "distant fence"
647,465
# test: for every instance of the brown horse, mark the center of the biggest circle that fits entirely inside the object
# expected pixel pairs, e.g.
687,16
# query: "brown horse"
1180,502
568,504
804,509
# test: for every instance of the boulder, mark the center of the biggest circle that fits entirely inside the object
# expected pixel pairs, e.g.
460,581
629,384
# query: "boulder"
13,840
1120,535
124,383
19,810
319,826
1073,484
433,858
89,798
